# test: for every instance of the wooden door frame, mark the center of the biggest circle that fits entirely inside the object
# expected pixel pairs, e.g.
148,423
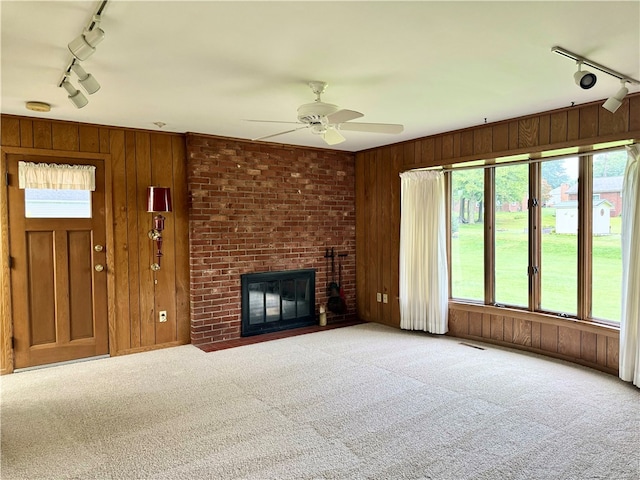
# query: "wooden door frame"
6,317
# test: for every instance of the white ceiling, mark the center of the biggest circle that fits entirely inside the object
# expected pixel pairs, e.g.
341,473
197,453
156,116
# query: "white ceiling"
207,67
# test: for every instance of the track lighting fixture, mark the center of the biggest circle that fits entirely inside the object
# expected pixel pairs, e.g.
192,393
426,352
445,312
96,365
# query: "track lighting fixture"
587,80
584,80
86,80
83,46
75,95
613,103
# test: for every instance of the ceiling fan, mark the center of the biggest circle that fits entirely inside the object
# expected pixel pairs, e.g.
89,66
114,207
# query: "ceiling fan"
326,120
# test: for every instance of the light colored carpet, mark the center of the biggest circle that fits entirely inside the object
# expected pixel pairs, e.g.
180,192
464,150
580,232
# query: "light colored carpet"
362,402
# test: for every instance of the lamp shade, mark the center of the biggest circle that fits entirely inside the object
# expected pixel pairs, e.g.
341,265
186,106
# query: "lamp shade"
83,46
76,96
86,80
613,103
585,80
158,199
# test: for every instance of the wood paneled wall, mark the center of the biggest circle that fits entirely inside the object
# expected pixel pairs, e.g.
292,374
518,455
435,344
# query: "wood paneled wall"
136,159
378,234
582,125
592,345
378,222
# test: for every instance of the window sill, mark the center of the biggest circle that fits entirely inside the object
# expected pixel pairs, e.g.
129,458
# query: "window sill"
545,318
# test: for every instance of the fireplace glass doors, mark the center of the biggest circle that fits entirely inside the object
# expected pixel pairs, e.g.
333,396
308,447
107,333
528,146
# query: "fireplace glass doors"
273,301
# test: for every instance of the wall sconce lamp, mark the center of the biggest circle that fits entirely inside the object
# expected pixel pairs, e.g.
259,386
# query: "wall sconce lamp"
158,200
587,79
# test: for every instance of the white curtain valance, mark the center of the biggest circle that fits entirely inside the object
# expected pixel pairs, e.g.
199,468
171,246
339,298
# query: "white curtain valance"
56,176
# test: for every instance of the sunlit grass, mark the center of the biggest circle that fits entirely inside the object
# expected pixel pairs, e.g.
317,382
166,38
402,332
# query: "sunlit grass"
558,270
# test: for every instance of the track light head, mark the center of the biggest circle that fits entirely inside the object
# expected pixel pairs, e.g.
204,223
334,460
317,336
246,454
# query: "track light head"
584,80
87,81
83,46
75,95
613,103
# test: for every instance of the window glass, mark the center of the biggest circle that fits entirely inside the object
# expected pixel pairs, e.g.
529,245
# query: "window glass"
511,237
608,173
46,203
467,234
559,255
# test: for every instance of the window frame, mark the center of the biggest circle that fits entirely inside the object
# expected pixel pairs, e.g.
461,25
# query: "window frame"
584,237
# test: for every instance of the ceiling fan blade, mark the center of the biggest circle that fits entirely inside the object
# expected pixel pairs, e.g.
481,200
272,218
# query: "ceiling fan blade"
272,121
332,137
279,133
372,127
343,116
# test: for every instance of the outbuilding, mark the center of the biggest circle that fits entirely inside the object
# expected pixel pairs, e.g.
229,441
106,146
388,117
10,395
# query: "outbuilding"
567,217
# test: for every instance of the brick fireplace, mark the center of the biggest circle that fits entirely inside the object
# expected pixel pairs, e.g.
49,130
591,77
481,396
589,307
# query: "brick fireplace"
257,207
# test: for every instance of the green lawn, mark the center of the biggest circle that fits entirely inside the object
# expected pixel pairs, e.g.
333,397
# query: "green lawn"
557,270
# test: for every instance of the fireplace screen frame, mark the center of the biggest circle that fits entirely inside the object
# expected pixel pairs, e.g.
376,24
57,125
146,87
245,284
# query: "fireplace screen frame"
277,315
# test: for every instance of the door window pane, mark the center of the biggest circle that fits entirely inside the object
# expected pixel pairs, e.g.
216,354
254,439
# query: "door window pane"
467,234
559,253
511,236
46,203
608,173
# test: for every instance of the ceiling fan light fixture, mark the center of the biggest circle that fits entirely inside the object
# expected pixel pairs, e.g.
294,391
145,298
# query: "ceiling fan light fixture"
326,119
315,112
584,79
332,136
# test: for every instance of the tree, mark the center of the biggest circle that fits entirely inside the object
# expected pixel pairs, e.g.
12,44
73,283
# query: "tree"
545,191
555,173
609,164
512,183
468,188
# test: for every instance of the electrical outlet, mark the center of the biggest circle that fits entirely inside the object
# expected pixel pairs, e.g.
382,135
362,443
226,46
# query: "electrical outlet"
385,298
162,316
378,297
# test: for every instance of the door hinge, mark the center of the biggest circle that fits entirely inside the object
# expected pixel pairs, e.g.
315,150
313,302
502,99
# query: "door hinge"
7,178
10,262
13,343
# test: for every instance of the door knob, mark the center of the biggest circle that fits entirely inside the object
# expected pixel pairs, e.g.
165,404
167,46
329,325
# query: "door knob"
98,248
99,268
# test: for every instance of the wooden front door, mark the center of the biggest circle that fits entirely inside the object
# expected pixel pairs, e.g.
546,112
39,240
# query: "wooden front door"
58,276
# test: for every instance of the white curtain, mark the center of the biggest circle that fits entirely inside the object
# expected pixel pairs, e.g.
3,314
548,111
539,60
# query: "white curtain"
424,279
56,177
629,369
